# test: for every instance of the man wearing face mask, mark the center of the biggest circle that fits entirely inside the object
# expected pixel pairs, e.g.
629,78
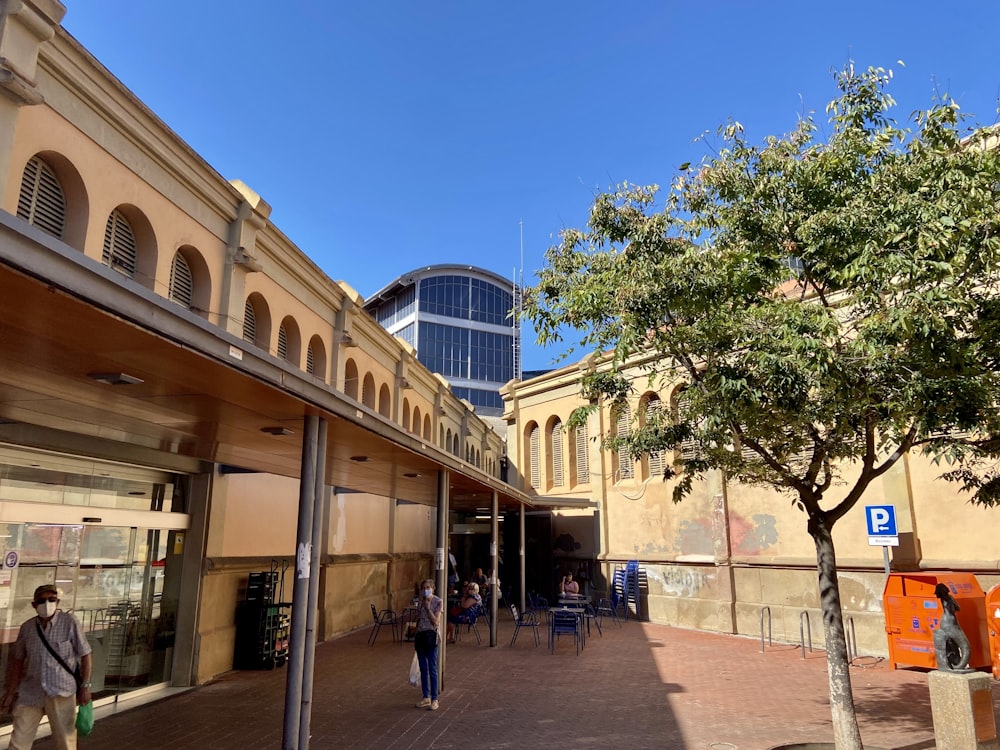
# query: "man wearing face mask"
37,683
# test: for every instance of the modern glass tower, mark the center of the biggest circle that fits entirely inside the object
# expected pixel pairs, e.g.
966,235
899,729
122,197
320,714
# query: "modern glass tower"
460,321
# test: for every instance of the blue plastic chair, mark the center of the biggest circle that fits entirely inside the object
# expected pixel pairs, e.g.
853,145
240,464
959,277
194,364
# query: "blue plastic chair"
524,620
564,623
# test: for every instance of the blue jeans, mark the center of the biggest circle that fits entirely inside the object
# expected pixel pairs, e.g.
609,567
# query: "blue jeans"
428,661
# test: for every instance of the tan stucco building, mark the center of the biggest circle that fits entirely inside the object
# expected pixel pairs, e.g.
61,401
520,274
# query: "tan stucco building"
729,557
171,365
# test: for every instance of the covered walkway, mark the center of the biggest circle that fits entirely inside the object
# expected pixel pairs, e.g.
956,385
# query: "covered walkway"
640,686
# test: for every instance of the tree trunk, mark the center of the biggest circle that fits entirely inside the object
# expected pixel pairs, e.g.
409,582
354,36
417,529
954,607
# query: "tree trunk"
846,735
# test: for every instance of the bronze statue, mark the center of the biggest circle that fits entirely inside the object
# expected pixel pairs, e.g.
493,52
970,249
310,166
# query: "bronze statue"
951,646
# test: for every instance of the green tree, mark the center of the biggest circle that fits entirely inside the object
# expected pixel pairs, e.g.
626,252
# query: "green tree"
830,304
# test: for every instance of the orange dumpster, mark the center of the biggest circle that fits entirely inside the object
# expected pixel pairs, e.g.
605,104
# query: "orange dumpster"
993,626
912,613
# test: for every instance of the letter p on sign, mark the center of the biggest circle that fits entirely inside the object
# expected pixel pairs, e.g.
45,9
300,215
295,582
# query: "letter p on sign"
881,520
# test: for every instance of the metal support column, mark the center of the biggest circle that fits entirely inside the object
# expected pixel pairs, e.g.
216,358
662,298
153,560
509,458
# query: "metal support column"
520,554
309,655
441,563
494,572
300,591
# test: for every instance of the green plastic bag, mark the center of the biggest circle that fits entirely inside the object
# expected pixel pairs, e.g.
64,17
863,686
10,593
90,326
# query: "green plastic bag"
85,719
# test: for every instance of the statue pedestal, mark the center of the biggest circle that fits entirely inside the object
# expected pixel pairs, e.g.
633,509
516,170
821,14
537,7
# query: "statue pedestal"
962,708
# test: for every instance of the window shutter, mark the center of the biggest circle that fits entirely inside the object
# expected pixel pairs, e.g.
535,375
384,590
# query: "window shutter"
282,342
689,447
41,201
657,459
582,455
181,281
533,459
558,476
249,323
310,360
119,245
626,467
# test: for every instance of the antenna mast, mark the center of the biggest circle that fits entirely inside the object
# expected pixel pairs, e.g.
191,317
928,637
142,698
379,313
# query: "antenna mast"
516,326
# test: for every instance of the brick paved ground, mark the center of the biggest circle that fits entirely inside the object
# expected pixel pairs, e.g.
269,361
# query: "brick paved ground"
639,686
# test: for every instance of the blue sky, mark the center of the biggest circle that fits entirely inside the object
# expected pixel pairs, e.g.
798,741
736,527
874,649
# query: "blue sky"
391,134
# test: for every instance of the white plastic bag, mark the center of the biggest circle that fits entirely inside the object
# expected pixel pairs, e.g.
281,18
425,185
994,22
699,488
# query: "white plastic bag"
415,671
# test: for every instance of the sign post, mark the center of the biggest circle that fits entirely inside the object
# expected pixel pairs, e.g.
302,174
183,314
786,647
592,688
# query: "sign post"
882,533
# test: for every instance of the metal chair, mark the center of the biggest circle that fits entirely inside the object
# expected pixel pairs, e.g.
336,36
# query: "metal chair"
380,618
524,620
605,608
468,618
564,623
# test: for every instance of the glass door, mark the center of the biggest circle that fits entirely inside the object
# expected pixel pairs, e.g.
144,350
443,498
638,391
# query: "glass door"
114,580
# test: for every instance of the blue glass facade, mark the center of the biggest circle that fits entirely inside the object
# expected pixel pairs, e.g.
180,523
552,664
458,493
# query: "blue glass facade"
460,323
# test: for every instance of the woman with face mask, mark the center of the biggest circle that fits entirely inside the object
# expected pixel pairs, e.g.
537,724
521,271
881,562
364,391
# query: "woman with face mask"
426,643
37,683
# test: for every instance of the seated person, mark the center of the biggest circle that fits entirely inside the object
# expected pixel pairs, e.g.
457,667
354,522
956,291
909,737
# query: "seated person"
479,578
466,610
567,586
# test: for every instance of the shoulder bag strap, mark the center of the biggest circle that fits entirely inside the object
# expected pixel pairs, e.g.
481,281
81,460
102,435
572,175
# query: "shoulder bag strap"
56,656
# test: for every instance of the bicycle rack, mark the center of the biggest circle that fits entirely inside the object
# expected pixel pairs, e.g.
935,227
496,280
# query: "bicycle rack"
808,629
762,611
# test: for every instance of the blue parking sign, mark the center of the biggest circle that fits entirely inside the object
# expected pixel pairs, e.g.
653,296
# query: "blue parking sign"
881,520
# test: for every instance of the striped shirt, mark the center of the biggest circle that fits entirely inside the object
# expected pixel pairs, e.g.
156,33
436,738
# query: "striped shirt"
43,675
435,605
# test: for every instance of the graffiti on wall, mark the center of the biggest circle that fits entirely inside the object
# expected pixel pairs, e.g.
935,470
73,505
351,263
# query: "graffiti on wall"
680,581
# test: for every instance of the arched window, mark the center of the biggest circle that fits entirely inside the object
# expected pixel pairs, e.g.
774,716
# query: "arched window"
351,379
688,449
42,202
625,466
534,472
447,440
556,451
455,446
384,401
441,438
427,427
316,358
416,421
282,341
406,414
120,249
368,391
181,289
656,461
249,323
581,455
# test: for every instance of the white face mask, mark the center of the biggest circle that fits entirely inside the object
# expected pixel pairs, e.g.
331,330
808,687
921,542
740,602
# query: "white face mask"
427,593
46,609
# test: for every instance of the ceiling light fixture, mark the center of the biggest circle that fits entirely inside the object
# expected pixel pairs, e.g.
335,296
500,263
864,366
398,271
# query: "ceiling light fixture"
277,430
114,378
360,459
411,475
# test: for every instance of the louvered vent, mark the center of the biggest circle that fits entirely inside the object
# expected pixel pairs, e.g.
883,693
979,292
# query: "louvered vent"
249,323
533,447
558,475
657,459
626,467
582,455
41,201
310,361
282,342
181,282
119,245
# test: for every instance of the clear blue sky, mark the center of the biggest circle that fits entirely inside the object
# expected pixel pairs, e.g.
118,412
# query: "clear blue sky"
390,134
